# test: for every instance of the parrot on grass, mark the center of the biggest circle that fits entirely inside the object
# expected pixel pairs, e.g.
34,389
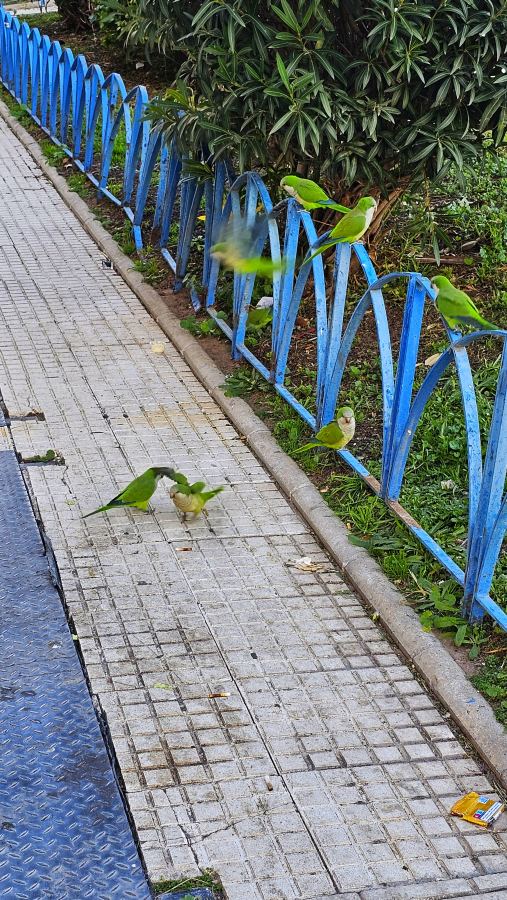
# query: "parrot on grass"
456,307
190,498
138,492
336,435
350,228
309,194
236,249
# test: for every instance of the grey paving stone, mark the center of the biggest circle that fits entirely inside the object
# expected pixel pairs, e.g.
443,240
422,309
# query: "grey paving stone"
325,770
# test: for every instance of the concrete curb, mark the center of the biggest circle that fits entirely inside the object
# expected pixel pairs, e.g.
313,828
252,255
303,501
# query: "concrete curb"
424,651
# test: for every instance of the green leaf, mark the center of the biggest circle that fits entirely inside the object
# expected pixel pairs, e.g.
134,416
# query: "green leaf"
460,635
282,71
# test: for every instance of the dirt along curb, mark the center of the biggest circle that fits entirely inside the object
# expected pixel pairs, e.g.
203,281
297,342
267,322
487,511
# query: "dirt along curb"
424,651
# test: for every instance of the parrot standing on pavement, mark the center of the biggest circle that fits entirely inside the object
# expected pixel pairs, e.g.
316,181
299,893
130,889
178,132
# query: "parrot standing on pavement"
349,229
190,498
309,194
138,492
455,306
337,434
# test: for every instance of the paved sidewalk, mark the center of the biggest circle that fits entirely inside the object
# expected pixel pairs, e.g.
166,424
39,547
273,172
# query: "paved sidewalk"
327,771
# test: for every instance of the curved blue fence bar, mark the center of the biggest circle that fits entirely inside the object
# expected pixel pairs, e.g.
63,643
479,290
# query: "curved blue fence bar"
102,127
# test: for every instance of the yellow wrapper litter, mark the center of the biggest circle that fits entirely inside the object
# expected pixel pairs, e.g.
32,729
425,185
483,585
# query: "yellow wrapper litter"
478,809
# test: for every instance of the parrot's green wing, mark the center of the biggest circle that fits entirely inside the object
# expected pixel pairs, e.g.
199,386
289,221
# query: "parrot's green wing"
308,190
197,487
179,478
182,482
457,306
137,494
350,227
331,435
139,490
347,230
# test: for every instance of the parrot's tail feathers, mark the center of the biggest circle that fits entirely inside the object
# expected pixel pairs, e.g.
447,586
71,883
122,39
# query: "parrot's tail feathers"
330,204
208,495
308,446
99,510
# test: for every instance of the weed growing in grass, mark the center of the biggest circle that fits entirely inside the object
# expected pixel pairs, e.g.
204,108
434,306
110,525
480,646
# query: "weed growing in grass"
492,682
150,267
78,183
54,155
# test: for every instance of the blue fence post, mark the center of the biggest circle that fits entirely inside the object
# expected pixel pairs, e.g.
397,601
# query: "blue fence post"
485,536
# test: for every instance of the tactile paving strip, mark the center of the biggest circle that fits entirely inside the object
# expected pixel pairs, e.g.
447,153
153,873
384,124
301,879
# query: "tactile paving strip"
63,828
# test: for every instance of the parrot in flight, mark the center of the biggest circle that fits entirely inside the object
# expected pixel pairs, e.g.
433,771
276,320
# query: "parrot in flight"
236,249
349,229
455,306
190,498
138,492
309,194
337,434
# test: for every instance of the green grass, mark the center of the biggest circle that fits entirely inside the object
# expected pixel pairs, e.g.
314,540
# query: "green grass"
78,183
492,682
150,266
208,879
40,21
54,155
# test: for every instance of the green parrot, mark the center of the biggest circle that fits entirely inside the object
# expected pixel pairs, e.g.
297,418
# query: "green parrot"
349,229
138,492
190,498
337,434
236,246
455,306
309,194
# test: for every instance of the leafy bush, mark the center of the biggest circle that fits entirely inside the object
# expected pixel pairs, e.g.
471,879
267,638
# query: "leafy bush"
117,19
348,91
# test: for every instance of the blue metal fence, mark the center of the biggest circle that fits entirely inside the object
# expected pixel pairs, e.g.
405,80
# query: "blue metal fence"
101,127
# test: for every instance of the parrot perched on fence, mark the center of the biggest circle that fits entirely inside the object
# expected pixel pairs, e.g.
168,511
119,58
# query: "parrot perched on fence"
236,247
138,492
190,498
455,306
349,229
337,434
309,194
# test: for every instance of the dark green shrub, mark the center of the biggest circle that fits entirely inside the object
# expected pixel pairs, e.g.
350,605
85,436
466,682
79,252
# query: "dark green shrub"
350,92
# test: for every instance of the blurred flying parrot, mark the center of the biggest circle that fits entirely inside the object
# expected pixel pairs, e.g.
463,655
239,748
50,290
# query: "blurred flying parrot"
309,194
238,249
455,306
337,434
190,498
349,229
138,492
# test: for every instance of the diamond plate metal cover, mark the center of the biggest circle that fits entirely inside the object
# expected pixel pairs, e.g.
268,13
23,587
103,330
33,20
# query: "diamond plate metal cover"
64,833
